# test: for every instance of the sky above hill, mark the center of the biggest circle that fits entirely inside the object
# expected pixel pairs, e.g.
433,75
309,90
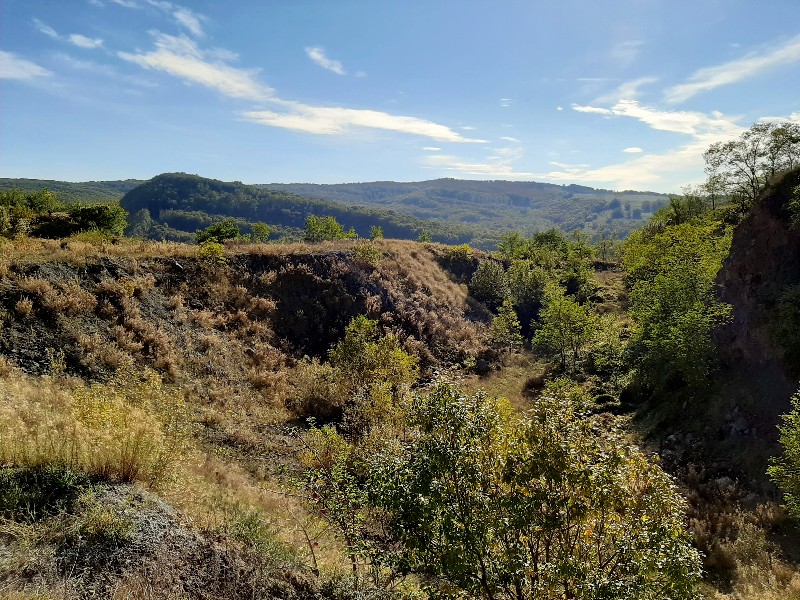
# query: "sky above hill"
623,94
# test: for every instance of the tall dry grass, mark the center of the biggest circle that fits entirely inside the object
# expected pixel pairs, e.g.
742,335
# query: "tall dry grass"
130,429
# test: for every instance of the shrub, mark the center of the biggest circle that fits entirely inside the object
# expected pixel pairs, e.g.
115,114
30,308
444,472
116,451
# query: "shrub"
212,252
489,284
785,470
552,506
219,232
367,253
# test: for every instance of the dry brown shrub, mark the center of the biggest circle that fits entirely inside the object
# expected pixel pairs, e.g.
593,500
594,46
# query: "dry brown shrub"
126,340
106,309
24,307
205,319
315,391
36,286
263,308
97,352
177,301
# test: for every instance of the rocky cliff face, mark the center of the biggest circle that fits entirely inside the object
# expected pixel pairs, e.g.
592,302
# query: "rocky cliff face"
764,261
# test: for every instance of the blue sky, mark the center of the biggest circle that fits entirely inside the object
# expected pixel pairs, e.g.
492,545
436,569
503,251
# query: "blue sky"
619,94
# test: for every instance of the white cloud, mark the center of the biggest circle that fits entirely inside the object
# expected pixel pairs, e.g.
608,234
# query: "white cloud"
189,20
633,150
468,128
592,109
654,171
651,171
45,29
698,125
510,139
792,118
183,16
432,149
337,120
710,78
81,41
317,55
505,102
180,57
76,39
559,108
13,67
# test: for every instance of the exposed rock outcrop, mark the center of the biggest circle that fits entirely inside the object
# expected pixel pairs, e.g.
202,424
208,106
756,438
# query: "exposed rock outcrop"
764,260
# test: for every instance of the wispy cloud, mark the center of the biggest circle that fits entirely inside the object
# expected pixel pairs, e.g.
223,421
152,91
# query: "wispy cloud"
491,169
709,128
509,139
45,29
337,120
76,39
624,54
505,102
431,149
81,41
189,20
181,57
14,67
317,55
633,150
710,78
649,171
184,17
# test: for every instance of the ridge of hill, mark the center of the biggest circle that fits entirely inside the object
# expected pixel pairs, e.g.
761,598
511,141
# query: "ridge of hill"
500,206
175,205
68,191
451,210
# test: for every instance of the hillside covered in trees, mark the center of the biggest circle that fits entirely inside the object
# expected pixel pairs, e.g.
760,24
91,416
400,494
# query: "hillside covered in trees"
498,206
450,211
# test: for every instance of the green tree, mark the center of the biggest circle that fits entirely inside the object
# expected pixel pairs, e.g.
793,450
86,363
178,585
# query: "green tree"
505,330
489,284
108,218
260,231
551,506
741,168
565,327
672,300
785,470
374,371
219,232
320,229
526,281
376,233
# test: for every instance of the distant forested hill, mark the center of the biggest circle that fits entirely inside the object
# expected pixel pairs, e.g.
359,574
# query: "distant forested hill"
175,205
67,191
498,206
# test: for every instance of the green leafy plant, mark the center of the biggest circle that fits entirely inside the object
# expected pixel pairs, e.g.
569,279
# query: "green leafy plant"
785,470
551,506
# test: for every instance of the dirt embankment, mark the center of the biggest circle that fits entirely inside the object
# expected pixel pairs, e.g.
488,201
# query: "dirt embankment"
261,309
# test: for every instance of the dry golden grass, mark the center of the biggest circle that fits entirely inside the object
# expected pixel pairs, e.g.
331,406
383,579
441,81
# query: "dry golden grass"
108,431
136,428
